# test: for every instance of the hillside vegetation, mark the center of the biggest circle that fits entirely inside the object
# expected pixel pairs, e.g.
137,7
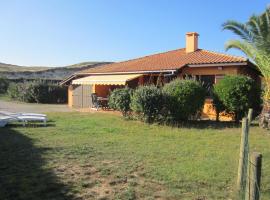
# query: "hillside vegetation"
40,72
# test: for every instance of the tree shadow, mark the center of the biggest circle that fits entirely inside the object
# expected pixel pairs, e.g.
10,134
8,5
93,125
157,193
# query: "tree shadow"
22,172
50,123
209,124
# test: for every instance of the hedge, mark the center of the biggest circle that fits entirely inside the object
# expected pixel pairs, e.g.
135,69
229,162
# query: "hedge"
4,83
37,92
183,99
148,102
238,93
119,99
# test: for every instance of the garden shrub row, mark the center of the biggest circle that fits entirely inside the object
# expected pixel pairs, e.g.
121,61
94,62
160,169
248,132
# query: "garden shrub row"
181,100
37,92
177,101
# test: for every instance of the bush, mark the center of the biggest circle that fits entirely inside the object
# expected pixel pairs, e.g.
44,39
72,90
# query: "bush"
238,94
147,102
120,100
4,83
184,98
38,92
13,91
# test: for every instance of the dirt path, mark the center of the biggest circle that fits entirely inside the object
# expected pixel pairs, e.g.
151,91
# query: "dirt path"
33,107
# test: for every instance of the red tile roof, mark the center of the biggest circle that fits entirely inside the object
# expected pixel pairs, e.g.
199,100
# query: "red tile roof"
170,60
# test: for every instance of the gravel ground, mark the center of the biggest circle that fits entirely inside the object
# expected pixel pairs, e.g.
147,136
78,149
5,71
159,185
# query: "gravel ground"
12,106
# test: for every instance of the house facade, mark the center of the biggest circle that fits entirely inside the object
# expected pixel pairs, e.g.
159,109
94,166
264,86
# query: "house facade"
190,62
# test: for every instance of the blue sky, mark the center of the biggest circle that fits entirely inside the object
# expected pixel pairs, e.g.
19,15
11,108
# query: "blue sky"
62,32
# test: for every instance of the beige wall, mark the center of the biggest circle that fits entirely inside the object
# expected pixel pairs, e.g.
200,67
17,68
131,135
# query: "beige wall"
70,90
210,70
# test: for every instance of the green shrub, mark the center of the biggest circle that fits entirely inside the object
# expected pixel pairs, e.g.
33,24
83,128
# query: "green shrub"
184,99
120,100
238,94
38,92
13,91
147,102
4,83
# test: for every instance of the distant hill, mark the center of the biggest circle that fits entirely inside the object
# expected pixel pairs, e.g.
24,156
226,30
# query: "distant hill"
48,73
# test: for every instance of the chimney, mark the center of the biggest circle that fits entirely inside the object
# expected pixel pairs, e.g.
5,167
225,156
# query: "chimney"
191,42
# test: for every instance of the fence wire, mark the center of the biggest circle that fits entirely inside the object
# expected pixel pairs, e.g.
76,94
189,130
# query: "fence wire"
247,180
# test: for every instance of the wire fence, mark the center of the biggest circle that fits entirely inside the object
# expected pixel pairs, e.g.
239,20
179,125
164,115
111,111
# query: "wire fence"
250,189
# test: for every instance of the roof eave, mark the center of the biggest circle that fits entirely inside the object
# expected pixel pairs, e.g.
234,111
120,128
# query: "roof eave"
128,72
243,63
70,78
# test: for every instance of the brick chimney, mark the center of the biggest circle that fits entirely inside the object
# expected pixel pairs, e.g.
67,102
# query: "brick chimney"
191,42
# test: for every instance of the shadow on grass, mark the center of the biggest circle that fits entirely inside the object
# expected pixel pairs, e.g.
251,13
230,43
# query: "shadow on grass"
49,123
209,124
22,172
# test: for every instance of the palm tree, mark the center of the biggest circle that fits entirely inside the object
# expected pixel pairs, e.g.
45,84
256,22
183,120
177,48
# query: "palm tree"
256,32
255,43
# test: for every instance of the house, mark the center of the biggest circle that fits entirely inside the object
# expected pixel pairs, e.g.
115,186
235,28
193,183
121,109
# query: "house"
206,66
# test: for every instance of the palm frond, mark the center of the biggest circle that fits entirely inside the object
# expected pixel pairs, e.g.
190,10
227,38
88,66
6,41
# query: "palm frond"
263,62
254,25
267,17
239,29
243,46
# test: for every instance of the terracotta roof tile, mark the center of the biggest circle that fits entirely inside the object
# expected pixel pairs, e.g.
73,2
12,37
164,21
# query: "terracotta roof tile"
170,60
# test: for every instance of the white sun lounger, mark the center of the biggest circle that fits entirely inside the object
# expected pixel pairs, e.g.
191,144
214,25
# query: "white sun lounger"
4,120
30,118
21,114
21,117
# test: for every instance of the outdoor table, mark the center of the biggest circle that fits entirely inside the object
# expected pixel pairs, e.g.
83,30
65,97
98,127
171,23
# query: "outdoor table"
103,101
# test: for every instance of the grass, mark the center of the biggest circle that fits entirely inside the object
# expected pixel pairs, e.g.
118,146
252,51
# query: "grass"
102,156
5,97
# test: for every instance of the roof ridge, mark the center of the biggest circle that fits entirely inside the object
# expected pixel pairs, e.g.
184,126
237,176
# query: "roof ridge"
155,54
224,54
167,60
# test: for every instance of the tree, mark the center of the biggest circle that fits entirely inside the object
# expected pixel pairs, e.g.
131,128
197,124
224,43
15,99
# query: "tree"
255,43
254,34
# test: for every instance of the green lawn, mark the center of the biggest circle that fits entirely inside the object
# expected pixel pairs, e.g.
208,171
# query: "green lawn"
102,156
4,97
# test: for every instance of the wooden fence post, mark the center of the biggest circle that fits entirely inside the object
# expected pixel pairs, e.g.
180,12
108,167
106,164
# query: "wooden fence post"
250,113
243,159
255,175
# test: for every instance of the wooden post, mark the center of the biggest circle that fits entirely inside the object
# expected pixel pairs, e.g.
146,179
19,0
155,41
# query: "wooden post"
255,175
250,112
243,157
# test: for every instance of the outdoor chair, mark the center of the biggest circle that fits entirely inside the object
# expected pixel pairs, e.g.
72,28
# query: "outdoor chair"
95,102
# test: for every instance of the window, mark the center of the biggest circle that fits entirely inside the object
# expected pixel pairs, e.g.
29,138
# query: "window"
218,78
207,81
